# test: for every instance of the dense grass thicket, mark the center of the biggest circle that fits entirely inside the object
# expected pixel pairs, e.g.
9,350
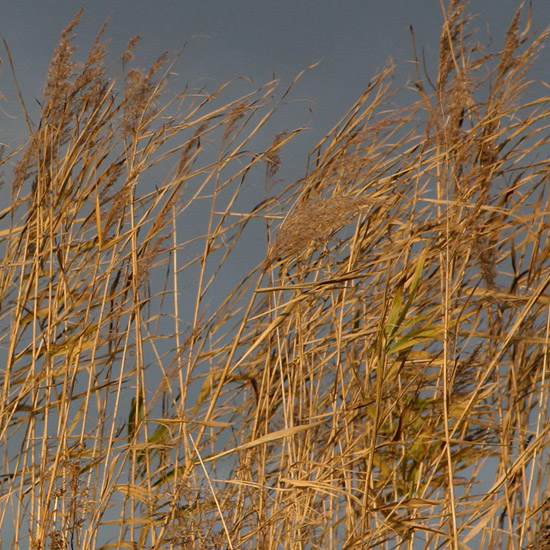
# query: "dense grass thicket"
379,380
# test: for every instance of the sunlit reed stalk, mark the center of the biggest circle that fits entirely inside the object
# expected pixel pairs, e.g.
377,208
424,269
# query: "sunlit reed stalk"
378,380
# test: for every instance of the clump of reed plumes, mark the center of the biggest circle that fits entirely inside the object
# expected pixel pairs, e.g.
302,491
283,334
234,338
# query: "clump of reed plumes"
93,262
379,380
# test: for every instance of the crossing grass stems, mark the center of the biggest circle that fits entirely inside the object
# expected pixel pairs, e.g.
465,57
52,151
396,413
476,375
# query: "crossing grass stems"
378,380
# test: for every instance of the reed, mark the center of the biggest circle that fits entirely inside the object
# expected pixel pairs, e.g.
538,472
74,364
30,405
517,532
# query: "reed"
378,380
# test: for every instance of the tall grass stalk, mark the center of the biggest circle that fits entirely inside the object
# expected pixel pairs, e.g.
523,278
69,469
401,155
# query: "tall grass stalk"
378,380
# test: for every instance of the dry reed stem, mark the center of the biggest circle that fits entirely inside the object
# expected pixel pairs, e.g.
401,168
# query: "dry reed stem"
379,380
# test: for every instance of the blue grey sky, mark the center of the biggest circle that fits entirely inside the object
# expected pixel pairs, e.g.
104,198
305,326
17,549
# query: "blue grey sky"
259,39
351,40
